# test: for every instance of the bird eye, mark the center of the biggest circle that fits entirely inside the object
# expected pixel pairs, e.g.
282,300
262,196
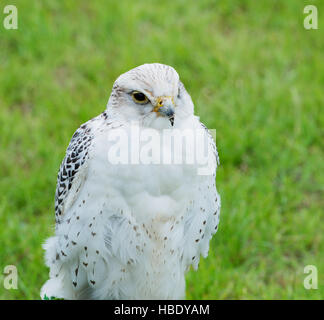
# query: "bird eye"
139,97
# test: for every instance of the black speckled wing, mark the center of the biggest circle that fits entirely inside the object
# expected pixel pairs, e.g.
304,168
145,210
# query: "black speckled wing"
72,170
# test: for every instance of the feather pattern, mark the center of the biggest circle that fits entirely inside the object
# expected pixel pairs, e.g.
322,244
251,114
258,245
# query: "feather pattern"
131,231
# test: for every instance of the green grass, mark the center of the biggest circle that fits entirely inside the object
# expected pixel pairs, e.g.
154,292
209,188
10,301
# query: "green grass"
254,73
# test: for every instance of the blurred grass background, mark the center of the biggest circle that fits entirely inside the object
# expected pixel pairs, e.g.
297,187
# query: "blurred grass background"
254,73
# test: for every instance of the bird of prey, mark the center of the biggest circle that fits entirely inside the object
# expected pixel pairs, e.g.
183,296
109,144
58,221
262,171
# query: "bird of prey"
132,230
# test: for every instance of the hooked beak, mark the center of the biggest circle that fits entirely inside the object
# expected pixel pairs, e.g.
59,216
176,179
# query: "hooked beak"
165,107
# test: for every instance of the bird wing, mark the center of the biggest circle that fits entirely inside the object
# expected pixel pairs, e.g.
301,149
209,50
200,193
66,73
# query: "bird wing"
201,222
73,169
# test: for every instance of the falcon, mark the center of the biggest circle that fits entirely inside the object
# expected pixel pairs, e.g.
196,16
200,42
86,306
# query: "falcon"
132,229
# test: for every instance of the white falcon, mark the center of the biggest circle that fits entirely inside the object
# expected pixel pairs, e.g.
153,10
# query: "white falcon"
132,230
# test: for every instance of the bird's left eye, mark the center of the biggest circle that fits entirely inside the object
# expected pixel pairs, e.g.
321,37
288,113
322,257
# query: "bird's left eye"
139,97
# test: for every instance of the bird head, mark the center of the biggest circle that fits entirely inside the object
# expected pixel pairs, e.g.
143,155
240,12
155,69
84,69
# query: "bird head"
152,94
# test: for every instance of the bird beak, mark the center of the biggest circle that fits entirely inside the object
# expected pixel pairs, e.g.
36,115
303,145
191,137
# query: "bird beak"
165,106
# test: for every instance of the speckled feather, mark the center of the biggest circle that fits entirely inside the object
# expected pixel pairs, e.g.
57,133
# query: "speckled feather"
130,232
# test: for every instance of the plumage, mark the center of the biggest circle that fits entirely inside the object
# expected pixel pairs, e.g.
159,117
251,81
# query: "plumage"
131,231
